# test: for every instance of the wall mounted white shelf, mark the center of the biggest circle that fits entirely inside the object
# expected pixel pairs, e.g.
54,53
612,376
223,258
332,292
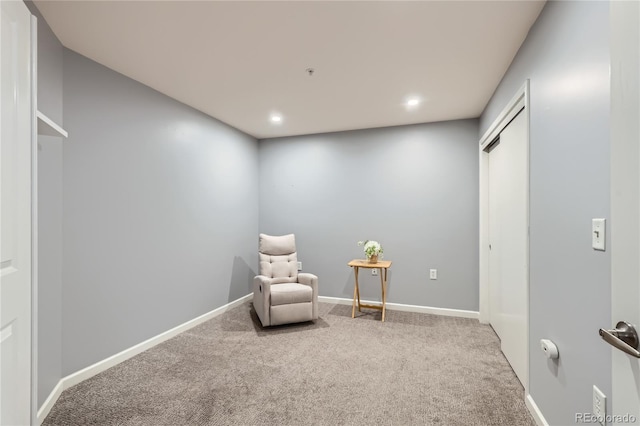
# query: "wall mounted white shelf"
47,127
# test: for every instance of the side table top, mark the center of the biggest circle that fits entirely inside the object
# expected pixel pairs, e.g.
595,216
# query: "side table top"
364,263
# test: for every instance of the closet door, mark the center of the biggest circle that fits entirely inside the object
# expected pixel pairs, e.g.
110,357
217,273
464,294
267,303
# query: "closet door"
509,241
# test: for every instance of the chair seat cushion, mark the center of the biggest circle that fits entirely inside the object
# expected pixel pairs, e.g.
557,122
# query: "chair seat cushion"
287,293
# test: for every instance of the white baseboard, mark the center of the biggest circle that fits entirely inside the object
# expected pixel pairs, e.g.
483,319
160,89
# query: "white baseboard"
98,367
43,412
407,308
535,411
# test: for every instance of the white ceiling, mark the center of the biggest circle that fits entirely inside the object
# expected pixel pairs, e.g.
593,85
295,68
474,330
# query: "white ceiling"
241,61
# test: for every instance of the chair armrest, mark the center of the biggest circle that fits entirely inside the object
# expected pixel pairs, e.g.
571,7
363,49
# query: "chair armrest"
312,281
262,298
308,279
264,282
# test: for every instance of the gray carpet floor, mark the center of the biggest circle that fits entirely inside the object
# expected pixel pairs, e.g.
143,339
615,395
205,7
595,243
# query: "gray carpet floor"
413,369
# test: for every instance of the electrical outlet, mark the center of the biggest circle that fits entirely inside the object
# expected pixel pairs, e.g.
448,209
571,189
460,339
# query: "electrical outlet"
599,405
433,274
374,272
299,266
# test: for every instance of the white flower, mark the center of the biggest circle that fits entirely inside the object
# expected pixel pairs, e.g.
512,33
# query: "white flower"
371,248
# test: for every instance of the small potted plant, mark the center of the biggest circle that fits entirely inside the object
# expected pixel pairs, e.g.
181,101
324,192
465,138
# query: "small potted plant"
372,249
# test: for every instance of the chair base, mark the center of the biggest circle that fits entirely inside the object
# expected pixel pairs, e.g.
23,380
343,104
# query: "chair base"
294,312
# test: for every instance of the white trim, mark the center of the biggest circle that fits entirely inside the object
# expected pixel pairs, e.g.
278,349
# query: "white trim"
34,218
535,411
484,237
624,232
47,405
98,367
520,100
116,359
407,308
48,127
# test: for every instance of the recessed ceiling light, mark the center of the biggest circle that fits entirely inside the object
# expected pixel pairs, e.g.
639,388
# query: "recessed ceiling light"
413,102
276,118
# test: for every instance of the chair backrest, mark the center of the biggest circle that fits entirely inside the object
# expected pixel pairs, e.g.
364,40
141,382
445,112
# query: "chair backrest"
278,258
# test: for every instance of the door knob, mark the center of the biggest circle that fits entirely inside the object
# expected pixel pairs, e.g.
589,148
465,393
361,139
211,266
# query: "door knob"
623,337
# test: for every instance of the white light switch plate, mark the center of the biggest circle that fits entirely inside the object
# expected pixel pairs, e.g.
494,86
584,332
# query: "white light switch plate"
598,233
299,266
599,405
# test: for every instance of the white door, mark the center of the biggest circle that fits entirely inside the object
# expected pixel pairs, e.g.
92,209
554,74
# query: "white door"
15,214
496,202
508,239
625,203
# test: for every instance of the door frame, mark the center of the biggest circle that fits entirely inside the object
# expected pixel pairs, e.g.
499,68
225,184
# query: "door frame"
625,200
31,191
34,219
516,104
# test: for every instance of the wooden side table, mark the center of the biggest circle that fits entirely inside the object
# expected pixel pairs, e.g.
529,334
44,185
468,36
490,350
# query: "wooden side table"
383,266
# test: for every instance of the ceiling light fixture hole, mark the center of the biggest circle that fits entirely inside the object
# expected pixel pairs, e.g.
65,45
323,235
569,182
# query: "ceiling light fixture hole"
310,71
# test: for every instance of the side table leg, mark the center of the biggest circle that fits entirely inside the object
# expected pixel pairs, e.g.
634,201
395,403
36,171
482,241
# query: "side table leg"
383,281
358,292
355,293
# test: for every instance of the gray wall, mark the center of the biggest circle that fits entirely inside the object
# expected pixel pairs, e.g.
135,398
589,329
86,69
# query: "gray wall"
49,212
566,56
160,213
412,188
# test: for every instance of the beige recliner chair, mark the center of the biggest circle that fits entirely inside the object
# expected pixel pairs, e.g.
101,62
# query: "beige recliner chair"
281,295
